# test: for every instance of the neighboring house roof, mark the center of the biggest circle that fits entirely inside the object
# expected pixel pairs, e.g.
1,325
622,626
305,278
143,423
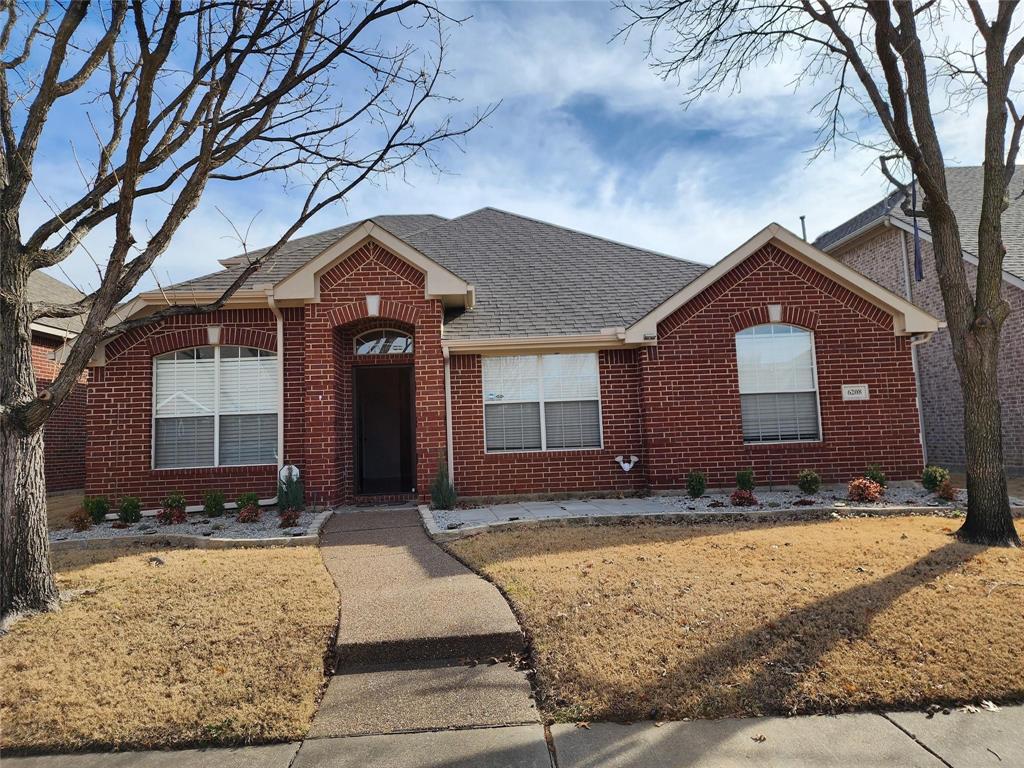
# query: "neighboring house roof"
530,278
965,186
43,288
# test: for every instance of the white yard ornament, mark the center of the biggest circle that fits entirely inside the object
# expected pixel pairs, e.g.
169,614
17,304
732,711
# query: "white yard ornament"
627,465
288,472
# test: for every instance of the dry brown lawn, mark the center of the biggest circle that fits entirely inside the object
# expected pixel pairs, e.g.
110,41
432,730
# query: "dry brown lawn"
208,647
666,622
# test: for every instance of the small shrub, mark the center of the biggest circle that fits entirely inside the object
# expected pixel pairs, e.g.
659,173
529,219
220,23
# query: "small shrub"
875,473
808,481
289,517
933,477
947,491
249,508
743,497
81,520
865,489
213,504
130,511
696,484
442,493
173,510
745,480
96,507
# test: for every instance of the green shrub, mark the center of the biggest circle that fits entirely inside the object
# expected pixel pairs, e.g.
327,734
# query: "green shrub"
875,473
213,503
696,484
933,477
130,511
442,493
808,481
96,507
291,494
745,479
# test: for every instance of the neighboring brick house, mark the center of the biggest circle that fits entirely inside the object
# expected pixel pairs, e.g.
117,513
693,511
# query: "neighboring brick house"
64,433
879,242
531,357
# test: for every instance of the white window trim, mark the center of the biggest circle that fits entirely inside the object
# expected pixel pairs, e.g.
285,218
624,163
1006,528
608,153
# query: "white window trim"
540,394
216,412
817,391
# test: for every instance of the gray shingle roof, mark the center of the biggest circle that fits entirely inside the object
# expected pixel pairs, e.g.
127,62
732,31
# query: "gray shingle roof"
538,279
531,278
965,185
297,252
44,288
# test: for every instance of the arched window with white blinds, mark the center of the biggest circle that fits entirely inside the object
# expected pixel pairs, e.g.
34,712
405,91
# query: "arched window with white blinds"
215,406
778,384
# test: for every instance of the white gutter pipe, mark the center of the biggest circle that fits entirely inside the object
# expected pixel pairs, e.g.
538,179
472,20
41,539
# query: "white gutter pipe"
915,341
281,384
448,415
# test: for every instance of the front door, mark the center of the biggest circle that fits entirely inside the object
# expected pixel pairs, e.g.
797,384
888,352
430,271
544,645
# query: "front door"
383,429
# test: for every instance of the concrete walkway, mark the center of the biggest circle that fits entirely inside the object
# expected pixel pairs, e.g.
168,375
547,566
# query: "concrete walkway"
905,739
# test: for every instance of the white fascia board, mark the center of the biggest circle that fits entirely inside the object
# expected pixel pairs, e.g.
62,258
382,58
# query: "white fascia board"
439,282
907,318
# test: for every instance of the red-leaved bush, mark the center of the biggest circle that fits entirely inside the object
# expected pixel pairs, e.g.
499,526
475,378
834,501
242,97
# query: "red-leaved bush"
249,514
947,491
289,517
171,516
863,489
80,520
742,498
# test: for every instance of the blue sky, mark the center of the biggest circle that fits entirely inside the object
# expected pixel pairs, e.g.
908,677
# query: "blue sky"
586,136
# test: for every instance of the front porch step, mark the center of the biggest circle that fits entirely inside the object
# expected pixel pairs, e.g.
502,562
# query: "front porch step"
403,598
406,698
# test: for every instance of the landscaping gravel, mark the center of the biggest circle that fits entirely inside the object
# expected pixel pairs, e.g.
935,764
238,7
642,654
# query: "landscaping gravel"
224,527
895,496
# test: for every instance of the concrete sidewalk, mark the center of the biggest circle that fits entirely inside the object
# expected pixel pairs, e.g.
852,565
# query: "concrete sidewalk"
905,739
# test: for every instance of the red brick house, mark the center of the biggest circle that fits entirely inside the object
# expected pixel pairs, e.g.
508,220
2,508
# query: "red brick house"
64,433
530,357
879,242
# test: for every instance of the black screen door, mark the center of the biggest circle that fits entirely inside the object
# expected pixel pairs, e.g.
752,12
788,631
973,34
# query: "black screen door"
383,429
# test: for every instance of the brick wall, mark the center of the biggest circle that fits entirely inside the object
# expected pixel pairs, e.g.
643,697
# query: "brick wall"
478,473
690,391
64,433
881,258
119,447
343,290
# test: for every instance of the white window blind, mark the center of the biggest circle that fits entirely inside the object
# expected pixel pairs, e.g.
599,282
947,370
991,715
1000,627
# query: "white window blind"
541,402
215,406
778,384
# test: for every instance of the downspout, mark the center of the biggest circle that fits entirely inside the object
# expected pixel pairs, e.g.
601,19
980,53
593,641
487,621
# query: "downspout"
449,448
280,386
914,343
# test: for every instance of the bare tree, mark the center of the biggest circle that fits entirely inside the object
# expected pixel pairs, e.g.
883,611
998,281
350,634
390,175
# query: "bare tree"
884,60
173,97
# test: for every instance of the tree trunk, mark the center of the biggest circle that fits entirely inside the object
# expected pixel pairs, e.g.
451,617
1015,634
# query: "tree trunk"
26,579
989,520
26,583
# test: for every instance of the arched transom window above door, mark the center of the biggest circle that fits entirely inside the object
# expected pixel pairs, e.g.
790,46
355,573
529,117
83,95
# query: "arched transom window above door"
384,341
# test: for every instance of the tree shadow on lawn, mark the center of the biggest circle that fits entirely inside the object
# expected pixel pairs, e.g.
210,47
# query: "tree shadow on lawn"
762,671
